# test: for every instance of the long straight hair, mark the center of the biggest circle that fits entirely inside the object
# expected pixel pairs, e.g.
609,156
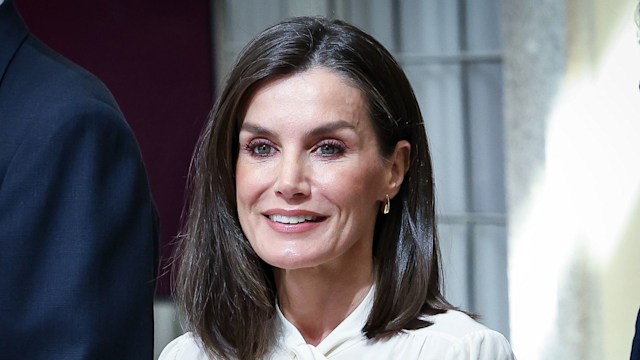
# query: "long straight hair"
225,292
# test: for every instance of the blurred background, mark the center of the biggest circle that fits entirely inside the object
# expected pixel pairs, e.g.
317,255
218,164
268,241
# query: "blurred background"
532,109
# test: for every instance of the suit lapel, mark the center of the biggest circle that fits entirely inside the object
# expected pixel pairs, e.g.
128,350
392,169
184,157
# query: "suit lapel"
13,32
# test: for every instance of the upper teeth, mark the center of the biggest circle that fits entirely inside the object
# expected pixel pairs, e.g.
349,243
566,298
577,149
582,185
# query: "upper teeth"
291,219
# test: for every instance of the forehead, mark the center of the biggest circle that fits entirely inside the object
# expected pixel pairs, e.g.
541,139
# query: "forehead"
318,92
311,82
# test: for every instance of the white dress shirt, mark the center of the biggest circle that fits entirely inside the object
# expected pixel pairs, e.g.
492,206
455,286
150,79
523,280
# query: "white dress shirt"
453,335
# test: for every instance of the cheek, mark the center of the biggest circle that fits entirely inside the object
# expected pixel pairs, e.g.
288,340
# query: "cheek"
359,186
247,191
249,184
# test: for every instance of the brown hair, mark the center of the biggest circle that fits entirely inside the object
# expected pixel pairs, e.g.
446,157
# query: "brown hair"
225,292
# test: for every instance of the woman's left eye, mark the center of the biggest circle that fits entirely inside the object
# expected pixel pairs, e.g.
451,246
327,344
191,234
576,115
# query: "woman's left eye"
262,149
330,149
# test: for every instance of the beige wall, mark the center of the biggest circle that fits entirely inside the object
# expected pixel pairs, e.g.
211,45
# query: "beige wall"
575,212
612,65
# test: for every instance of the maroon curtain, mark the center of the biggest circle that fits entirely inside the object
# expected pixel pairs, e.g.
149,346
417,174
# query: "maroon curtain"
156,58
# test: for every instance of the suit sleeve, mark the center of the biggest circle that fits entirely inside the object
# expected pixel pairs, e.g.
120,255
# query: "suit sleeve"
81,231
635,346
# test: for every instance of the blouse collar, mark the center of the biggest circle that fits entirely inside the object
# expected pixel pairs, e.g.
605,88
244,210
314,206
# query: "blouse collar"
348,332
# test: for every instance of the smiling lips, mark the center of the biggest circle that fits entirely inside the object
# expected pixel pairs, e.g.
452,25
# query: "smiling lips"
295,223
283,219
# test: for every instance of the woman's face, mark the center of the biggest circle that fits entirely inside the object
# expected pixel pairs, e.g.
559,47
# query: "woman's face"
309,177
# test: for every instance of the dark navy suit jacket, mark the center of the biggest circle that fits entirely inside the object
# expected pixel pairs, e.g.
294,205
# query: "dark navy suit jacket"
635,349
77,222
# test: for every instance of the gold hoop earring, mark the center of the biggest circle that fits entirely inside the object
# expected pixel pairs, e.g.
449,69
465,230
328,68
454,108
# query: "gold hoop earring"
387,204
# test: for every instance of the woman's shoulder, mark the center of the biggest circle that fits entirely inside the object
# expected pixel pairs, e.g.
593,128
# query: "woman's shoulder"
184,347
453,324
462,336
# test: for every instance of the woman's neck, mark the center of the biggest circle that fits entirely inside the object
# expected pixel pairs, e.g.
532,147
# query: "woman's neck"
317,300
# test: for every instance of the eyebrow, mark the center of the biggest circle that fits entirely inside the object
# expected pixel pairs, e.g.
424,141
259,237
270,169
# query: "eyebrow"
256,129
321,130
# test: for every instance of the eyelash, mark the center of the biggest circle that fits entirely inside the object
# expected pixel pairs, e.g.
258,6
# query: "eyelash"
338,147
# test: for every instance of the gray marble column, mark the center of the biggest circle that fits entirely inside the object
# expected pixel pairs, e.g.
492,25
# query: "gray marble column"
553,286
534,66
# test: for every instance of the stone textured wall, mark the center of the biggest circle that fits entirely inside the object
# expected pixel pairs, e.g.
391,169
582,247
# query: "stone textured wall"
572,132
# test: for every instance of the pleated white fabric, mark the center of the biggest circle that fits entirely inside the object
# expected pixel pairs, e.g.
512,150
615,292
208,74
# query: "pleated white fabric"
454,335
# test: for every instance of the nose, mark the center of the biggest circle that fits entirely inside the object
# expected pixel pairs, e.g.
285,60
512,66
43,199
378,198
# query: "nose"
292,178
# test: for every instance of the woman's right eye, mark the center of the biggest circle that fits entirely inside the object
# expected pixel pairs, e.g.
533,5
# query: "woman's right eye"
260,148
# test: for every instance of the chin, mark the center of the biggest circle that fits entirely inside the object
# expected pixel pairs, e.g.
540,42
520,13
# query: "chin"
292,261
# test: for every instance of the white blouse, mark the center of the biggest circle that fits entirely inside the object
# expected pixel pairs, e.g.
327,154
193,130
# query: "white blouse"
453,335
